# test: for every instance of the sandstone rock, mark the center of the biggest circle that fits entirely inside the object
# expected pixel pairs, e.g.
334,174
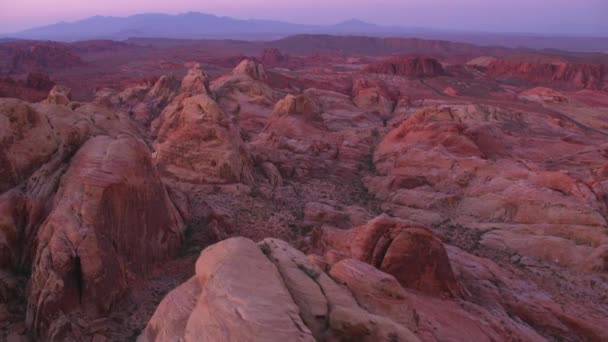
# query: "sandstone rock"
251,69
314,133
145,101
458,164
413,255
376,291
112,218
417,67
543,95
451,91
372,96
31,134
245,94
11,211
269,292
273,56
226,308
499,288
59,95
196,143
272,174
196,81
565,74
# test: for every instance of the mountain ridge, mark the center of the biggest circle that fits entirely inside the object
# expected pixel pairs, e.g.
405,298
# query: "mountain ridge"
197,25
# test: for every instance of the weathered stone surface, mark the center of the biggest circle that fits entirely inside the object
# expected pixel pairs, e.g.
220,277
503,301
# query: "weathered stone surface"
413,255
112,217
197,143
270,292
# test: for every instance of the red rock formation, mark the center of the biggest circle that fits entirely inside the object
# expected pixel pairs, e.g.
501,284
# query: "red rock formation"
33,89
195,140
543,95
245,94
40,56
372,96
273,57
39,81
417,67
514,194
112,218
59,95
269,292
560,74
429,170
412,254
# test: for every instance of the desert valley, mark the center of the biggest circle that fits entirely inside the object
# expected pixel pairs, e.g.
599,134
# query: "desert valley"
311,187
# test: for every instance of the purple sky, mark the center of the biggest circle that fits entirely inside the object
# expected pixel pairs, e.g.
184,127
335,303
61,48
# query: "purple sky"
534,16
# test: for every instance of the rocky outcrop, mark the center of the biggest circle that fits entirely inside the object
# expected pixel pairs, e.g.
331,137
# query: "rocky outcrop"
196,81
268,292
561,74
372,96
273,56
196,142
59,95
316,131
475,167
31,134
112,218
542,95
39,56
272,291
245,94
415,67
412,254
37,143
145,101
490,218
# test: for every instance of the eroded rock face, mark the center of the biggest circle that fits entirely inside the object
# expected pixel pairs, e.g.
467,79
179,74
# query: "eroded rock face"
38,142
516,177
27,141
270,292
410,253
59,95
196,81
460,164
273,291
564,74
417,67
236,294
489,305
41,56
543,95
245,94
112,218
314,132
273,56
145,101
372,96
196,142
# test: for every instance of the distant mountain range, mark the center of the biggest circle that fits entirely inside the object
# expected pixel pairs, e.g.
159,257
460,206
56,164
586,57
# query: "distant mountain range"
195,25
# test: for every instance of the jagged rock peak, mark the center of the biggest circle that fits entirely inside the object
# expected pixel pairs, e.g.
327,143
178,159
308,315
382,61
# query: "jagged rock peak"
166,85
295,104
196,80
251,69
59,95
